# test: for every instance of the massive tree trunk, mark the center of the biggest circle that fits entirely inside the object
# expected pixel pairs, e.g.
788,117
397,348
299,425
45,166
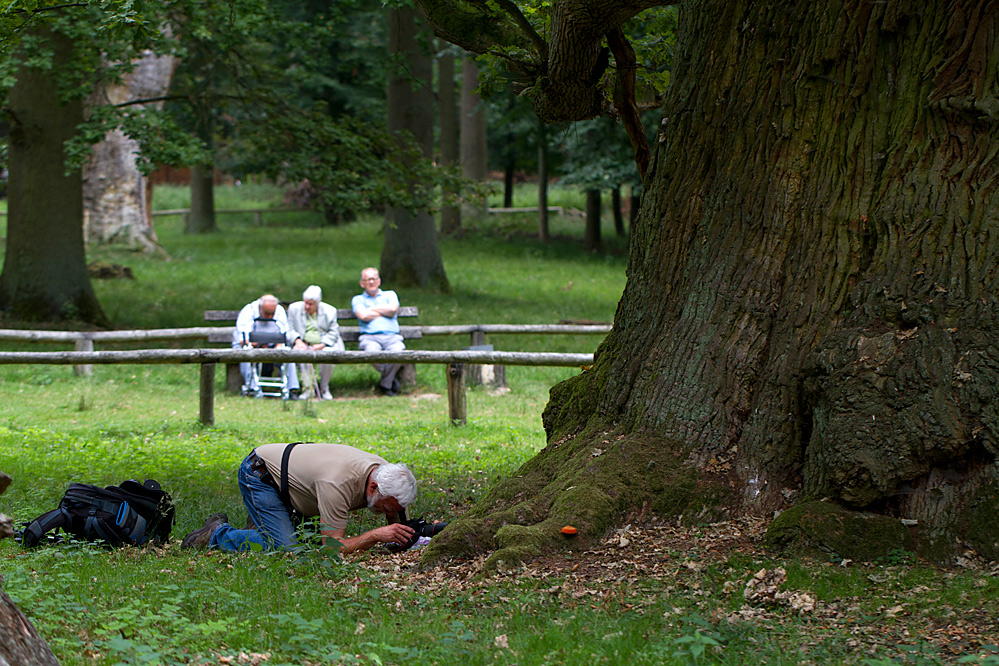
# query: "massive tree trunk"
116,194
411,255
44,274
811,306
449,130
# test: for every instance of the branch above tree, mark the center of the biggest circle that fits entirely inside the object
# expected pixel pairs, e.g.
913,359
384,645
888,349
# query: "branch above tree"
563,75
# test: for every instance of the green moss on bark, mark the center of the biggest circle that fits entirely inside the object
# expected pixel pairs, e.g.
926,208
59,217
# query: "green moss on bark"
982,531
588,482
823,529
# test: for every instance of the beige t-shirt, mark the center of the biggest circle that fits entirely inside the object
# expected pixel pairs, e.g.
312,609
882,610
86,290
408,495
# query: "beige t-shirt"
325,480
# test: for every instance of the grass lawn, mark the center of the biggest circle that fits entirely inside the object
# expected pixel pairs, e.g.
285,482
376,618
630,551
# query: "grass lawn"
649,594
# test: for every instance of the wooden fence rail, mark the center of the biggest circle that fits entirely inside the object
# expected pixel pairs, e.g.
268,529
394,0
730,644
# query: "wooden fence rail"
202,332
83,341
258,212
208,358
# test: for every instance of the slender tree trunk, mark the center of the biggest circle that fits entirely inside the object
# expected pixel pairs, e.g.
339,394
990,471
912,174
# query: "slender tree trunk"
811,309
510,159
618,213
591,235
411,255
449,128
474,165
115,192
44,274
202,218
508,178
543,234
634,202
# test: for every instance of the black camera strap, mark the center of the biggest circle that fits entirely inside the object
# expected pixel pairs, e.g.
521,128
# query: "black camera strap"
283,487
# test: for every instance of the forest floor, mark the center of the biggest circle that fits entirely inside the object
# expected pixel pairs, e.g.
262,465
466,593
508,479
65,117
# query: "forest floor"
727,561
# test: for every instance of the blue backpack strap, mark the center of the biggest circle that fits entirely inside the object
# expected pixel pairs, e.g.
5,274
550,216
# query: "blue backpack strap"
34,532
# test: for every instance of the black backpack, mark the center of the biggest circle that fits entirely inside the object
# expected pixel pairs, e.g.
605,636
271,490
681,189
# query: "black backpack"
132,513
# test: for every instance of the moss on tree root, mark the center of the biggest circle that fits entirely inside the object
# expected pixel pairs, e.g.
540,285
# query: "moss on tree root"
588,481
826,529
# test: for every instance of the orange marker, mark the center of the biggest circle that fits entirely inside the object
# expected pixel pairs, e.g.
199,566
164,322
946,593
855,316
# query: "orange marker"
569,530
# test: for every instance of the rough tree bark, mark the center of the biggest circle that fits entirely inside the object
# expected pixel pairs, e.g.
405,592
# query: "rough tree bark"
20,644
411,255
44,274
811,303
116,194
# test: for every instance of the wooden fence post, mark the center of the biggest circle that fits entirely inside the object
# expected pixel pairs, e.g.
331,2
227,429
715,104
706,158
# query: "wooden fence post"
478,375
83,345
456,393
207,394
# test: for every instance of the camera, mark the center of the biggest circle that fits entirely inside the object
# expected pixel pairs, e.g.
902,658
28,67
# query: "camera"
421,529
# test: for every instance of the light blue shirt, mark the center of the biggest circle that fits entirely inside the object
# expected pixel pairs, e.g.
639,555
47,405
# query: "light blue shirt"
379,300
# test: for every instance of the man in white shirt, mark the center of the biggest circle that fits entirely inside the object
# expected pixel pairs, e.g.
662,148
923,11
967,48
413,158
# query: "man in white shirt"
265,311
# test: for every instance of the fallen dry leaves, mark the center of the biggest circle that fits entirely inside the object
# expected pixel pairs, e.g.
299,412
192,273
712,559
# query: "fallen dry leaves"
639,566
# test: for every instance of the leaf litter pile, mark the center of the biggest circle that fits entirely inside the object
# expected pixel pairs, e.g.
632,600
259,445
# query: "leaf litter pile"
722,573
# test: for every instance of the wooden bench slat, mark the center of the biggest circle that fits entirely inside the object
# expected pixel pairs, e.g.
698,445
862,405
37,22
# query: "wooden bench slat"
341,313
350,334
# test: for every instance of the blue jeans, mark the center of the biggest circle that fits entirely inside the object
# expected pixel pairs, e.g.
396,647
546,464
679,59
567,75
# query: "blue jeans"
263,503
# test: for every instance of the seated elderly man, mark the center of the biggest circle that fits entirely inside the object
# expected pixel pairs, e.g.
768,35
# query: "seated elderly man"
265,312
312,325
325,480
377,311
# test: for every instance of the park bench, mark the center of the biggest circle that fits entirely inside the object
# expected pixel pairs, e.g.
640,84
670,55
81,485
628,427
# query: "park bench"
349,334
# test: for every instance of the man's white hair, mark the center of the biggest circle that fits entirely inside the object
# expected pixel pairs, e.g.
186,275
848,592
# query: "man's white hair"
395,480
312,293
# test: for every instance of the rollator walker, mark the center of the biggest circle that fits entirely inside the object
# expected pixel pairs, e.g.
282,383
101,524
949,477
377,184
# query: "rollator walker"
266,380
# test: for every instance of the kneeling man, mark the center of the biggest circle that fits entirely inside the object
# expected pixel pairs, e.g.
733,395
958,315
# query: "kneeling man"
325,480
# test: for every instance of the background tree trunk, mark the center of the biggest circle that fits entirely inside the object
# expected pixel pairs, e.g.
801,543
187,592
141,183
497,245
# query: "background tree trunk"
591,235
474,151
634,203
116,194
811,303
543,234
411,255
44,274
617,212
202,217
449,129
